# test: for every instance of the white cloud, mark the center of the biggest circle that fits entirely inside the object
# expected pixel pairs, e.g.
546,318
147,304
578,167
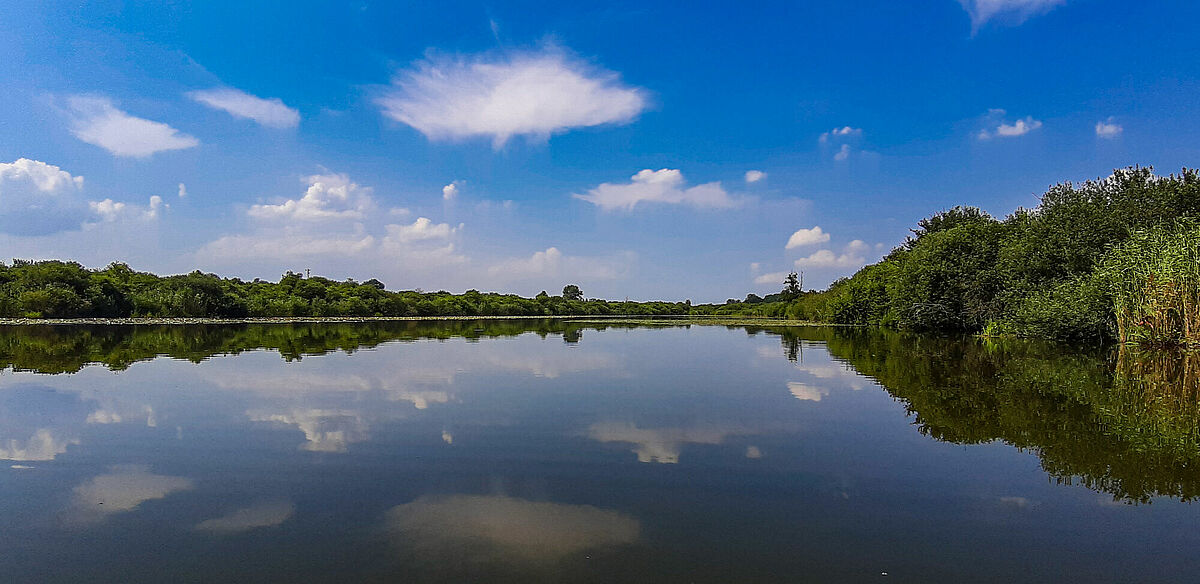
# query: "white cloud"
553,264
500,96
421,229
1016,11
109,210
1006,130
775,278
851,257
253,517
336,226
450,191
803,237
271,113
753,176
1108,129
328,196
843,153
97,121
842,132
657,186
182,191
499,528
38,198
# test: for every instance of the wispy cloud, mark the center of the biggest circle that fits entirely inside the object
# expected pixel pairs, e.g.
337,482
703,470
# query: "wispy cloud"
771,278
1013,11
272,112
554,265
753,176
498,96
97,121
657,186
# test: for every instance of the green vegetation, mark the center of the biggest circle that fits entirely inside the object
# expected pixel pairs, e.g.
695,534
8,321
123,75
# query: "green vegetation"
1115,420
55,289
1117,258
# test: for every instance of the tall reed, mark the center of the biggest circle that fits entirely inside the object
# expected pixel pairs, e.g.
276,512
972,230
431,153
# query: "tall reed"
1154,278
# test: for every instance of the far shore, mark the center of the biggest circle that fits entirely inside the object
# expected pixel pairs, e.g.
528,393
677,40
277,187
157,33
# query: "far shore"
606,318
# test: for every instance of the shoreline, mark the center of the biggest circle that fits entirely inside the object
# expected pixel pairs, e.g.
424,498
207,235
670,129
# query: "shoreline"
614,318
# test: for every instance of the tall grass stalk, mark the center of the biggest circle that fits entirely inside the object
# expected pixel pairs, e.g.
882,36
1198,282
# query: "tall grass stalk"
1154,278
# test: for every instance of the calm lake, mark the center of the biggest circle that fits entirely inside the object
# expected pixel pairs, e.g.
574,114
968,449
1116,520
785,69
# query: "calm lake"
522,451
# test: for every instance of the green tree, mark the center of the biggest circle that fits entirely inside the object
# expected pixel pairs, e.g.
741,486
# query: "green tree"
572,292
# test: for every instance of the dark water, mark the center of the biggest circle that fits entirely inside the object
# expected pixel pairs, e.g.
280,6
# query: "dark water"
544,451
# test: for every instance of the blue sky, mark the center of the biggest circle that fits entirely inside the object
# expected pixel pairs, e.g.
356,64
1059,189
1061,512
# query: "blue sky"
648,150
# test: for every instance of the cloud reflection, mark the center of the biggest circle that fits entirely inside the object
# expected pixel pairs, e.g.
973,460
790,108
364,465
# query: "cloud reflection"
123,489
253,517
508,528
325,430
661,445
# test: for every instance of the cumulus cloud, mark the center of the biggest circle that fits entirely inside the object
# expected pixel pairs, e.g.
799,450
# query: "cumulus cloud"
852,256
182,191
803,237
842,132
450,191
1004,129
1108,129
1014,11
657,186
753,176
552,264
110,211
421,229
272,113
97,121
498,96
38,199
843,153
335,224
328,196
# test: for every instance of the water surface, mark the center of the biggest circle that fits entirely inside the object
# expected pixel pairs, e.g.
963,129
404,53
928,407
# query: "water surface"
549,451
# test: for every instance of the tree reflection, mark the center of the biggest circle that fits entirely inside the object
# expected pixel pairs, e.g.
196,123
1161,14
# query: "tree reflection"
1116,421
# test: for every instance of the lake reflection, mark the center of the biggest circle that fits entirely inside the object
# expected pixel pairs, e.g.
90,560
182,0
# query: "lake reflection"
561,451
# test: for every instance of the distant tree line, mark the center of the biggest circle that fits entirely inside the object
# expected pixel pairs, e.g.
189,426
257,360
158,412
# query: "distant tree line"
58,289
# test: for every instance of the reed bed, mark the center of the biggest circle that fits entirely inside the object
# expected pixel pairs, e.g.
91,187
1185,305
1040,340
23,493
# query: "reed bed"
1155,282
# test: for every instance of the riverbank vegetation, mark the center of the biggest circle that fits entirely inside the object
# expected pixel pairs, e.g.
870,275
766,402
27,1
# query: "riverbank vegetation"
56,289
1116,258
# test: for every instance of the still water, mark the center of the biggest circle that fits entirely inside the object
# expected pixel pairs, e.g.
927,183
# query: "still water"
524,451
